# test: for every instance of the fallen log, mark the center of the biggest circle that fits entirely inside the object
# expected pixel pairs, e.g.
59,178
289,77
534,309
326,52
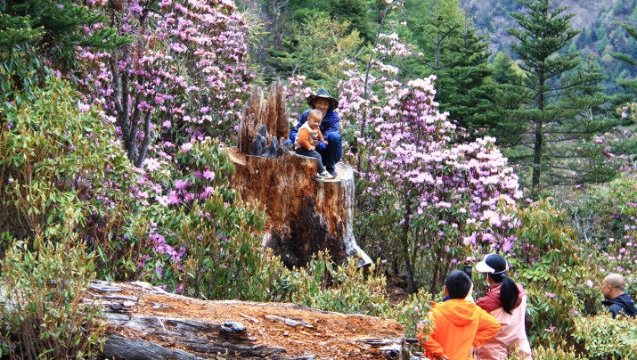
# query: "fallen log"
145,322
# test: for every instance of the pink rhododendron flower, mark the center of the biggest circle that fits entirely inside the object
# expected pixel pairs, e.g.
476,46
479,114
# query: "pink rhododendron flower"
181,184
209,175
185,147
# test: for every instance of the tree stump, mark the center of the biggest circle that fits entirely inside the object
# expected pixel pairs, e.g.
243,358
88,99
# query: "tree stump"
305,215
145,322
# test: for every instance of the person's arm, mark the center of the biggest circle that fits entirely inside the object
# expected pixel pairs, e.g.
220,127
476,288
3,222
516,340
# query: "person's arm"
331,122
488,326
489,302
304,139
320,137
425,334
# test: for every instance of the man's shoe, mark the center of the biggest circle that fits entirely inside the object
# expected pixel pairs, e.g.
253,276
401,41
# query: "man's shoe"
332,172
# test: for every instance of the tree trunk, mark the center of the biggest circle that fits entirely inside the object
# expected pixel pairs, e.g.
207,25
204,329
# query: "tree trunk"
305,215
145,322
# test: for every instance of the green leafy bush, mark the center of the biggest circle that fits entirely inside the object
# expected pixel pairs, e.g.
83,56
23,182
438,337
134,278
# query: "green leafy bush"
411,311
606,338
548,262
346,289
221,255
557,351
56,156
42,311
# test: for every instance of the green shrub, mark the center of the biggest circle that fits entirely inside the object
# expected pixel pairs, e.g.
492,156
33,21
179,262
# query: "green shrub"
57,157
345,289
326,286
215,253
411,311
556,351
549,264
42,311
606,338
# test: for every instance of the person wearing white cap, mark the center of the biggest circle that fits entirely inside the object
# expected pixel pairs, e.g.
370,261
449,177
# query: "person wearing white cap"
506,301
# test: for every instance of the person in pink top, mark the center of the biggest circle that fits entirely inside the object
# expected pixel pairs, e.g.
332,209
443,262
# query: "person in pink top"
506,301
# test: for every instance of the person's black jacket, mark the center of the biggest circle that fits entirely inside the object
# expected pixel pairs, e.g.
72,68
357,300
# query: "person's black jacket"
621,304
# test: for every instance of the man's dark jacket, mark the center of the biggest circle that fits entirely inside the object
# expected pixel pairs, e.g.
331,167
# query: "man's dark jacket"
621,304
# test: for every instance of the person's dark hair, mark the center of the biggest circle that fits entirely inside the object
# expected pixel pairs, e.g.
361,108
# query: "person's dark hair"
458,284
509,291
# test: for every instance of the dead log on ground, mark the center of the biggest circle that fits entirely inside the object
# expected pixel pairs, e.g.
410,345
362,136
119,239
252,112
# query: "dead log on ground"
145,322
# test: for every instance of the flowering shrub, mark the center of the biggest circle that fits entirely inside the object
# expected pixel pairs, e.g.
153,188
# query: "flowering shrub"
183,77
449,196
628,111
449,199
606,219
554,269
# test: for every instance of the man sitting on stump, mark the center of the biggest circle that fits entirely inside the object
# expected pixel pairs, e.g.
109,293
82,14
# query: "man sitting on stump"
332,152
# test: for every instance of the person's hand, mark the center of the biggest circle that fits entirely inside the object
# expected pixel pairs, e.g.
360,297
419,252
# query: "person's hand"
312,148
322,146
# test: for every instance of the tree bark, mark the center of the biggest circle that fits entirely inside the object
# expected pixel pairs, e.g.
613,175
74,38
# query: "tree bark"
145,322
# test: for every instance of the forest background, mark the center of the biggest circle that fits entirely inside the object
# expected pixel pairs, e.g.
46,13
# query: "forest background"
473,127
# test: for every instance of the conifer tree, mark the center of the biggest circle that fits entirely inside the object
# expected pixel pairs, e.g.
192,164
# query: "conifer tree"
458,57
39,35
561,109
630,85
509,93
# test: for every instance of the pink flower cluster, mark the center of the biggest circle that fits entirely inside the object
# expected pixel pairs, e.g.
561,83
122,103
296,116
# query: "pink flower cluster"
185,69
467,187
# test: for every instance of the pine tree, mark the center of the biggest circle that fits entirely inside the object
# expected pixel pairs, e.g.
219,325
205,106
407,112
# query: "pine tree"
561,109
39,35
458,57
315,49
509,93
630,85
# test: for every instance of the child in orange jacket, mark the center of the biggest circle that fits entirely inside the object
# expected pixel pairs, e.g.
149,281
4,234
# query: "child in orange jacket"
457,325
308,138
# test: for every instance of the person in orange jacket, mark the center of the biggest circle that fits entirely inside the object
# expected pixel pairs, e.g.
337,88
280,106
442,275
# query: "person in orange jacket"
456,326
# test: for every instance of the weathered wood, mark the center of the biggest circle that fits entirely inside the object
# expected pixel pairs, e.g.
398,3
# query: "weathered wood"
305,215
161,325
264,124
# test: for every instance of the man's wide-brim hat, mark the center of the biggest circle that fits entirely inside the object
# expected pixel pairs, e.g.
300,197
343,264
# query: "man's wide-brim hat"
323,94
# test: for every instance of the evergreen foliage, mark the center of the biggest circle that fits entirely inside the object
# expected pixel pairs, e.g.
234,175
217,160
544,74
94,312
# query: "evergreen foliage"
453,51
316,49
509,93
560,111
628,84
54,29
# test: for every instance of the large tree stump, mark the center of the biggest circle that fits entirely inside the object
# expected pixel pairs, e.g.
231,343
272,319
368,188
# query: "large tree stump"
305,215
145,322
